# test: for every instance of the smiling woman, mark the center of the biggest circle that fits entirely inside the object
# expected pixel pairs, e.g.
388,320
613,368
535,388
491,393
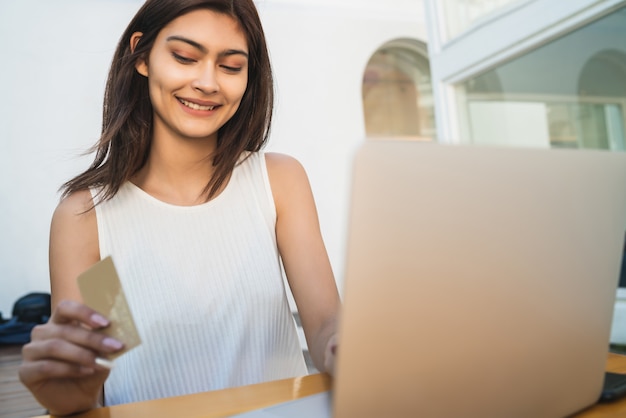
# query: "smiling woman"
216,63
197,73
197,219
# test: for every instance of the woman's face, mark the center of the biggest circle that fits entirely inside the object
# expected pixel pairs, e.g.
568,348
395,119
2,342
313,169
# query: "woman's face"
197,74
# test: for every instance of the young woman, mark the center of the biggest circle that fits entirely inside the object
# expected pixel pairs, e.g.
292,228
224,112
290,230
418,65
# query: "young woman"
198,220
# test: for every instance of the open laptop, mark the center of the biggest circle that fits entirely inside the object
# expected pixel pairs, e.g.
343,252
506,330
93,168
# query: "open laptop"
480,282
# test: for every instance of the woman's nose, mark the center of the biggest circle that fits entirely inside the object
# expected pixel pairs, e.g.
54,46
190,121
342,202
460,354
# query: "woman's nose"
206,80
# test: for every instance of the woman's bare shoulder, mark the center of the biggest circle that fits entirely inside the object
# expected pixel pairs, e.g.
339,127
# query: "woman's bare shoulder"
74,223
290,184
79,203
75,212
283,164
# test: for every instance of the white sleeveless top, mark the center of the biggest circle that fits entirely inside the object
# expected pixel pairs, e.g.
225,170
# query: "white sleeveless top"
204,284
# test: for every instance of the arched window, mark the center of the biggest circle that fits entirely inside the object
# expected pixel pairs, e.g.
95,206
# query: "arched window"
397,92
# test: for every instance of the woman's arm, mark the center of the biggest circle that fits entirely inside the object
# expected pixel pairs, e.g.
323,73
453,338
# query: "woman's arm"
304,256
59,363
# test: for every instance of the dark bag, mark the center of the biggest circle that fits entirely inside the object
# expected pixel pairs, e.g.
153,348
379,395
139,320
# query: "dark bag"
33,308
28,311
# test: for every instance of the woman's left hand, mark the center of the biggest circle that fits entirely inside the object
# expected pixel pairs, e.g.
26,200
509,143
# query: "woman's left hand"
330,354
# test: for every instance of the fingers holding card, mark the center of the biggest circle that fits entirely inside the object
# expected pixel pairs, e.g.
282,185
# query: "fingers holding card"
102,291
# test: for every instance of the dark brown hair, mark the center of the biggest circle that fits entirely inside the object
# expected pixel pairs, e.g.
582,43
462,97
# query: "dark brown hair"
126,135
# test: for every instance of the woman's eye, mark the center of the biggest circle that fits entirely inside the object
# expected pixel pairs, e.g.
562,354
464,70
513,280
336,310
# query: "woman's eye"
181,59
231,69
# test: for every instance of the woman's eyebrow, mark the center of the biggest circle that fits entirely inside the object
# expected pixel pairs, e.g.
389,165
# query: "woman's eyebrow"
194,44
203,49
230,52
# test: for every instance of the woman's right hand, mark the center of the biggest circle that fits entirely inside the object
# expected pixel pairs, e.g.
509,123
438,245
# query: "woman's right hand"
59,364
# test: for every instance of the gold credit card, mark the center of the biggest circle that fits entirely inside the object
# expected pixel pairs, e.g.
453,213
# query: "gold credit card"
102,291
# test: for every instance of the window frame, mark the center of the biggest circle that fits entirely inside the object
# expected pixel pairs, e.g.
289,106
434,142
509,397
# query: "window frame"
521,27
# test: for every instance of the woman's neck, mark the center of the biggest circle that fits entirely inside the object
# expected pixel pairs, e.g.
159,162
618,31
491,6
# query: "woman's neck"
178,170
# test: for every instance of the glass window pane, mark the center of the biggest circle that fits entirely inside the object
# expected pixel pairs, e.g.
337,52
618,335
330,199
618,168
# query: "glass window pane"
572,90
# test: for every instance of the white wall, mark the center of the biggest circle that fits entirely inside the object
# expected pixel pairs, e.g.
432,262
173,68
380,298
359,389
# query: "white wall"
55,60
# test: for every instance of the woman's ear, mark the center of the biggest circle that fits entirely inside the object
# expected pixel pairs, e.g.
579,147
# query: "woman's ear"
140,65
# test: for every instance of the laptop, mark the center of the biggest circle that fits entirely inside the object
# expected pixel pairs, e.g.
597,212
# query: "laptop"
480,282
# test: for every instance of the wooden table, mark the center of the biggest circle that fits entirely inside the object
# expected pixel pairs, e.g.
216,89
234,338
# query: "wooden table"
227,402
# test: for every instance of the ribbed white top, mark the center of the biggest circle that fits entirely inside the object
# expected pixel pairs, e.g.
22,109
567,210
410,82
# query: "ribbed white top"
205,286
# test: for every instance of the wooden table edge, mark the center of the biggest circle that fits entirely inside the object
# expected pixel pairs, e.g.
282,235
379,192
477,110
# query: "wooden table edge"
228,402
218,403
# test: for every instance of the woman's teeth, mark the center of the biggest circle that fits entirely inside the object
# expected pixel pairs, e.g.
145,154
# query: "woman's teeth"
195,106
